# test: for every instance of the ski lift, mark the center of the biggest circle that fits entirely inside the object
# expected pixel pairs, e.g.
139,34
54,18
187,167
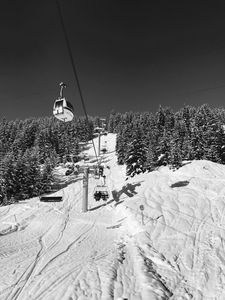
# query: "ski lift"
82,145
71,158
98,130
86,157
101,192
96,173
103,123
101,170
104,150
63,109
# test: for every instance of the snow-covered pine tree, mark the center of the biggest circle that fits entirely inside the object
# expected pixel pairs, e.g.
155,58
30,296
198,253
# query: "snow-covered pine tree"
110,124
151,158
207,135
165,126
32,173
124,136
214,141
10,179
114,121
160,118
152,139
44,144
120,148
136,155
46,176
175,156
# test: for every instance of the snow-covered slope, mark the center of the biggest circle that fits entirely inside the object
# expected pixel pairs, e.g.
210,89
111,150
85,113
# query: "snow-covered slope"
159,236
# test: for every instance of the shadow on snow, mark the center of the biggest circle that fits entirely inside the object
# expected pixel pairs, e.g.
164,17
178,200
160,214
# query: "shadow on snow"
128,190
180,183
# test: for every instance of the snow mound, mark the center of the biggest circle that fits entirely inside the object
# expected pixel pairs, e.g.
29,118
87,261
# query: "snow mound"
180,229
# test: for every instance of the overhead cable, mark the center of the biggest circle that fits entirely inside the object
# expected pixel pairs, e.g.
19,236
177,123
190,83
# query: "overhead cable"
74,68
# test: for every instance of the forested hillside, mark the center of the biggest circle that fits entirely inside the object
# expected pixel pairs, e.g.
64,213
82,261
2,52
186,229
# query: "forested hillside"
30,149
146,140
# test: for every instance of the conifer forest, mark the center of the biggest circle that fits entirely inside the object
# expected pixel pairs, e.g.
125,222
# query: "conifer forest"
31,148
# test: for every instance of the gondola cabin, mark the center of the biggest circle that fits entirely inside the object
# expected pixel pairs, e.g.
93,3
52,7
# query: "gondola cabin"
63,110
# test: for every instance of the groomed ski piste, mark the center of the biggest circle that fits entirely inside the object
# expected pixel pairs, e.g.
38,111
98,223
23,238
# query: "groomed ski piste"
160,235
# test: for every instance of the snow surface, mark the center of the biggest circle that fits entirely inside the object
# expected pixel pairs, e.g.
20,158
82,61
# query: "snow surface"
160,235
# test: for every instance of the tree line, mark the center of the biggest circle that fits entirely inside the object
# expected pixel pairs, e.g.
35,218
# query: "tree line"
31,148
146,141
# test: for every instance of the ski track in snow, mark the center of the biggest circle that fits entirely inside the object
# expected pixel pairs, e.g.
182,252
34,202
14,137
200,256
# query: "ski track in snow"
173,249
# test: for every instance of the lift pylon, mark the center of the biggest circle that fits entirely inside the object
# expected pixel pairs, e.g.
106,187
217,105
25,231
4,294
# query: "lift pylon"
85,190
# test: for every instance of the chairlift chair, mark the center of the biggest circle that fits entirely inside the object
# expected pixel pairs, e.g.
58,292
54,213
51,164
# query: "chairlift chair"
104,150
104,195
98,130
101,192
98,171
82,145
86,157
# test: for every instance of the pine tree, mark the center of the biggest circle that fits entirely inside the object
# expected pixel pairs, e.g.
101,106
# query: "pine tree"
120,148
153,156
175,156
163,148
46,176
43,143
32,173
114,122
160,117
124,136
152,159
9,178
136,155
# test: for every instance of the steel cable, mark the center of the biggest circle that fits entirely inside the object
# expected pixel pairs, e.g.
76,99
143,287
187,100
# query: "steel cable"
74,69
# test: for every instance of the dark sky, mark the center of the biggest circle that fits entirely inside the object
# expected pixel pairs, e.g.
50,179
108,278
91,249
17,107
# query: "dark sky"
130,55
